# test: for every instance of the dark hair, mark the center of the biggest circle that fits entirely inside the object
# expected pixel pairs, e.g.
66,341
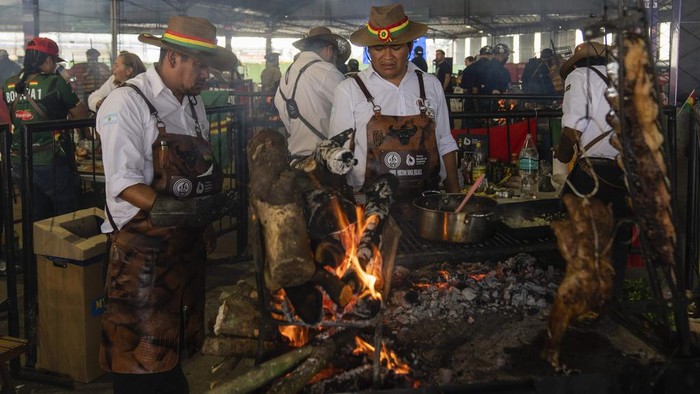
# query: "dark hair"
32,60
317,44
591,61
132,60
164,51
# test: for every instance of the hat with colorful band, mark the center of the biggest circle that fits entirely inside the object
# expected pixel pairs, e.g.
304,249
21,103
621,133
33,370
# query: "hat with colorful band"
194,37
388,25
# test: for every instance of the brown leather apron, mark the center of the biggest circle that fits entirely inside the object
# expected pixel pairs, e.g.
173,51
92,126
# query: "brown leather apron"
156,275
405,146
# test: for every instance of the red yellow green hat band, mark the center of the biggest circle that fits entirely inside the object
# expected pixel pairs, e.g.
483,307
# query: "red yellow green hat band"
196,43
384,33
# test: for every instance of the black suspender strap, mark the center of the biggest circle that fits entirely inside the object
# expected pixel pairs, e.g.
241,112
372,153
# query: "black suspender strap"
601,75
291,104
159,123
419,73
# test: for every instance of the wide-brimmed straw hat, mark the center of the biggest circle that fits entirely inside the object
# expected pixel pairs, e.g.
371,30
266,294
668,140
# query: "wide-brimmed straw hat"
325,34
388,25
194,37
583,51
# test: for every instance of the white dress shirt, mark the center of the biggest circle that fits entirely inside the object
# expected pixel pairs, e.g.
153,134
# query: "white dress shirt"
351,110
314,98
127,130
584,109
101,93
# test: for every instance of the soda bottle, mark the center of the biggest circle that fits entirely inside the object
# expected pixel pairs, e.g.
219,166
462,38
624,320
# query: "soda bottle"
529,169
479,167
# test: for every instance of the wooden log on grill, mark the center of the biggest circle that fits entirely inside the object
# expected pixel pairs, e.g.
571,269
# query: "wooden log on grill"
329,252
226,346
329,212
330,162
319,358
277,200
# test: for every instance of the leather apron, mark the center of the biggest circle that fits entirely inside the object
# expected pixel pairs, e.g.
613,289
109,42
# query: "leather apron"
156,275
405,146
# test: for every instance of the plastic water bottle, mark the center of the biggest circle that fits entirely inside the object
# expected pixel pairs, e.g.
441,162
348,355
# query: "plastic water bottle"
529,161
479,167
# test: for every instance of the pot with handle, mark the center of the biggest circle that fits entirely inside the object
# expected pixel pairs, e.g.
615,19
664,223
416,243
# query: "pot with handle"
438,221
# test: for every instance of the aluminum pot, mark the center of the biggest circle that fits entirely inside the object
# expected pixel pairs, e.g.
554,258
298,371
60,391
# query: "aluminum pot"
437,220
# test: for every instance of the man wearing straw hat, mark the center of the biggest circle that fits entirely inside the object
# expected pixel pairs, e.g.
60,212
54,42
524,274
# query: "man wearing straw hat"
585,127
163,190
305,94
398,111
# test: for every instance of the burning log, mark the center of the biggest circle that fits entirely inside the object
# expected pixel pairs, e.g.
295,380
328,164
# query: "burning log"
276,198
329,212
329,252
227,346
340,293
307,302
317,360
330,162
584,242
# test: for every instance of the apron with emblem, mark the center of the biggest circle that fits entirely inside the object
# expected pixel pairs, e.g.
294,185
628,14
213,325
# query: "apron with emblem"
156,275
405,146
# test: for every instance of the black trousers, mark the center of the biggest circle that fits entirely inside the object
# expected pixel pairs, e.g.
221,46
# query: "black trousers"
170,382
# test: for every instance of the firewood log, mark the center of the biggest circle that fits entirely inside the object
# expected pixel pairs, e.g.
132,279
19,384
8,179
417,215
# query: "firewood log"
238,317
328,212
319,358
263,373
277,201
329,252
307,302
340,293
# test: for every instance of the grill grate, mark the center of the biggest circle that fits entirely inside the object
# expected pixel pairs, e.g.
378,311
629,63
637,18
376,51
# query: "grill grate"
414,250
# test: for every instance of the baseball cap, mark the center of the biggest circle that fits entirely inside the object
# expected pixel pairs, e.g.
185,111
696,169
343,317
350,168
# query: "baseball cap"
418,50
92,52
547,53
486,50
501,48
44,45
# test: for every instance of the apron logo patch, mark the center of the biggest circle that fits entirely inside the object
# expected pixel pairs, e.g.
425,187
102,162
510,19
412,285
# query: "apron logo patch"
410,160
182,187
402,133
377,138
392,160
200,187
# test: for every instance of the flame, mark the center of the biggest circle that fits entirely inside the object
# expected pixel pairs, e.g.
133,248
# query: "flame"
369,277
298,336
393,362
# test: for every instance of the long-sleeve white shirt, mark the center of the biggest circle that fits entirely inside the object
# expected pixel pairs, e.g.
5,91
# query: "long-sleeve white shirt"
101,93
127,130
584,109
351,110
314,98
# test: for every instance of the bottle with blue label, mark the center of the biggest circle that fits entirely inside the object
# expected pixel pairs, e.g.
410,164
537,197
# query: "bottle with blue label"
528,163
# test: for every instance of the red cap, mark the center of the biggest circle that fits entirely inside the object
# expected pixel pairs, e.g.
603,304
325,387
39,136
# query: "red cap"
44,45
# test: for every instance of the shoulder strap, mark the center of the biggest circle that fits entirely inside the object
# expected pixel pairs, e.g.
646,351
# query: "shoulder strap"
421,85
291,101
600,74
151,108
595,140
31,101
362,86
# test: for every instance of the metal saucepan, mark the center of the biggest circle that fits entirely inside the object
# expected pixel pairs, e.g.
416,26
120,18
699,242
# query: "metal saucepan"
437,220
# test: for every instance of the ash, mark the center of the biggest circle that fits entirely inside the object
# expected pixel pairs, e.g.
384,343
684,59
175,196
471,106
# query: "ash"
463,292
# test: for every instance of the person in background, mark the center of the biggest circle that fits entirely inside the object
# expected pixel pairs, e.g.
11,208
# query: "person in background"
468,61
91,75
271,74
536,79
127,66
163,190
585,126
418,59
38,94
353,68
443,71
304,97
393,96
473,81
8,68
498,78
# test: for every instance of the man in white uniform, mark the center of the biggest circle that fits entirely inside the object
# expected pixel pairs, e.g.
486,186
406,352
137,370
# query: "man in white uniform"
305,94
398,111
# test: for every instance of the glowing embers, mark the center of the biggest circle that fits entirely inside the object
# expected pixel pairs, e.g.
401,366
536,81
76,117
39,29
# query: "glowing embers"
388,359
